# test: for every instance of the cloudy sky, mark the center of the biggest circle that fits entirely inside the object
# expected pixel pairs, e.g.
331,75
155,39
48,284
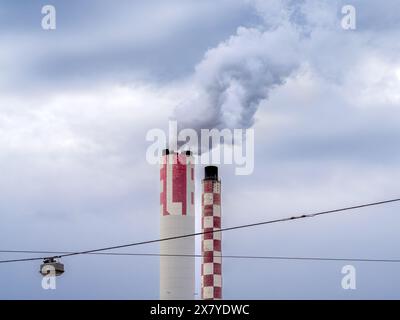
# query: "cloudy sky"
76,104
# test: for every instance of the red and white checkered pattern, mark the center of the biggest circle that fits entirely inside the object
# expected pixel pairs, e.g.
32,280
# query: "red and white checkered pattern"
211,275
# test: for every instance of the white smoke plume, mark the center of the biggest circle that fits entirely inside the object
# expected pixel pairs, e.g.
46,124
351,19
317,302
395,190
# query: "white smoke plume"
233,78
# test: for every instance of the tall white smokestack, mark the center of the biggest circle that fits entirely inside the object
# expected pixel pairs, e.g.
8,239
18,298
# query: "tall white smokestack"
177,274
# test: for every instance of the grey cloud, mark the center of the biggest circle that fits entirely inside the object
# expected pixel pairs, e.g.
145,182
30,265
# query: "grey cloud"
103,42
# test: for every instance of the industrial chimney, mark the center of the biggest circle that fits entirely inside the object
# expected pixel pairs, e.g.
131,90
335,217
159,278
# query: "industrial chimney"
177,274
211,269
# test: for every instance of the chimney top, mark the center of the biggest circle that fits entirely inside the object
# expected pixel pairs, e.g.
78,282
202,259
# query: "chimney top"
211,173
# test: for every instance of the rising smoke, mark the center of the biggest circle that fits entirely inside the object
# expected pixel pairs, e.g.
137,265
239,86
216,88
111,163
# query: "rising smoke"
233,78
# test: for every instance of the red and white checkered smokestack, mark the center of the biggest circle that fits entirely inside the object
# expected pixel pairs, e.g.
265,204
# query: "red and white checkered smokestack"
177,274
211,269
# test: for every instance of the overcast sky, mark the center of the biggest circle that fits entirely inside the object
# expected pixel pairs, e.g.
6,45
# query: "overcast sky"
76,104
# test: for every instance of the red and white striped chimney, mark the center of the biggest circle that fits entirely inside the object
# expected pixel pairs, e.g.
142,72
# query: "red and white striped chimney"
211,269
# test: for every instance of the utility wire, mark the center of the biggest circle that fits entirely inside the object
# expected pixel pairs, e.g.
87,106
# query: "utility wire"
201,256
304,216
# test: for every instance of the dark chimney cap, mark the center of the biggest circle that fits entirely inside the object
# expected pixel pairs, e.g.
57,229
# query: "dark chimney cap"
211,173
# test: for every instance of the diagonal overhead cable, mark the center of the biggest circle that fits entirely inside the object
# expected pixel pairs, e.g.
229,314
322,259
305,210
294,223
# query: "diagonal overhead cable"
251,225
